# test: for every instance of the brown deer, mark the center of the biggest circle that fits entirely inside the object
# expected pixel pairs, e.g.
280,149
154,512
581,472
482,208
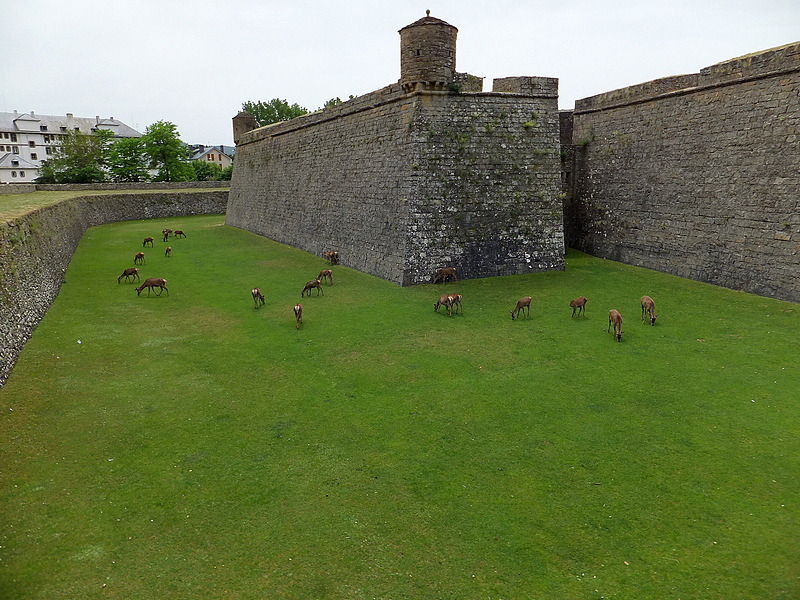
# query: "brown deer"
455,300
178,233
310,286
165,234
649,307
522,304
298,315
615,318
331,256
445,275
257,296
444,300
138,259
131,272
147,240
326,274
151,284
168,251
579,305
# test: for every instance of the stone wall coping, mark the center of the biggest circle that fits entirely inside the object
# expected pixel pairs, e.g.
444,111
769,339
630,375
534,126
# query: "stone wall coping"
775,62
389,95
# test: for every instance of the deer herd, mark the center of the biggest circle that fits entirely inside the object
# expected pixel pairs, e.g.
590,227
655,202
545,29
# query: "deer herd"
452,303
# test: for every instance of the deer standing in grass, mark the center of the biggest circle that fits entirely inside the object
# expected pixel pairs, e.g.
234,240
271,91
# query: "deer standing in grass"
151,284
132,272
579,305
138,259
649,308
147,240
178,233
445,275
446,301
616,319
168,251
298,315
314,283
522,304
455,300
326,274
332,257
258,297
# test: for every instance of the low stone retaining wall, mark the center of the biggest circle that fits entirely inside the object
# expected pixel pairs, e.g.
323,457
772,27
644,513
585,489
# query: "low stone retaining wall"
35,250
26,188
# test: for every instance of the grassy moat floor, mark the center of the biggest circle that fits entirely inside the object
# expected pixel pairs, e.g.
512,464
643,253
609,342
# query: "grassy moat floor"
190,446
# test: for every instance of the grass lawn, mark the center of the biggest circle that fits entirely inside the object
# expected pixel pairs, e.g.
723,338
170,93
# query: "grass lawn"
190,446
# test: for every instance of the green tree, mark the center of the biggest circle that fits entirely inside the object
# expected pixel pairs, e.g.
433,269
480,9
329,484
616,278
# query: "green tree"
167,153
127,160
206,171
273,111
335,101
226,174
79,158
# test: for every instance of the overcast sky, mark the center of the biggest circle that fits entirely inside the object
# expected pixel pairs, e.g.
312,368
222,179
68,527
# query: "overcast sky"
194,62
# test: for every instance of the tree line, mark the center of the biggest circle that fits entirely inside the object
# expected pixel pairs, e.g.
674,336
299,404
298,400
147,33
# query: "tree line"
99,157
158,155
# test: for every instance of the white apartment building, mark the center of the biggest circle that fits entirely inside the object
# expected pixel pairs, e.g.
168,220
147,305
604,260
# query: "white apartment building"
27,139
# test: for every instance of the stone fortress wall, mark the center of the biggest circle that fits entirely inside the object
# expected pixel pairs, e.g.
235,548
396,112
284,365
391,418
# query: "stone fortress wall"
422,174
696,175
35,250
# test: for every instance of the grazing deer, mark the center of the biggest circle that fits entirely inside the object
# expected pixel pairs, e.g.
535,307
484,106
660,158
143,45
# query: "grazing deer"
615,318
152,283
522,304
131,272
178,233
579,305
331,256
138,259
455,300
257,296
444,300
326,274
165,233
147,240
649,307
168,251
298,315
310,286
445,275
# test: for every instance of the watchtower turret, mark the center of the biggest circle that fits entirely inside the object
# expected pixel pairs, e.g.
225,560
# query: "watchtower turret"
427,54
242,123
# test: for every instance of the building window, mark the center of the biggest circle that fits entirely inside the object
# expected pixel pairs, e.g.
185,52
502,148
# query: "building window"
32,144
211,157
22,173
13,173
15,149
34,156
14,163
13,137
42,127
5,135
47,150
